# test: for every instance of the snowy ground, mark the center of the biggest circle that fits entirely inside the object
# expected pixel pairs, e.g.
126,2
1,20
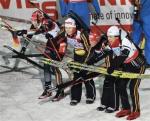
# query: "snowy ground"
19,92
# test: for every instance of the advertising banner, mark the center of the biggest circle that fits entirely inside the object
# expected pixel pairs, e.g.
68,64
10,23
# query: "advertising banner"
110,10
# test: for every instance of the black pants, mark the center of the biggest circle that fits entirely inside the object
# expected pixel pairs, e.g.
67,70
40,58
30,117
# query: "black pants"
133,87
76,90
110,95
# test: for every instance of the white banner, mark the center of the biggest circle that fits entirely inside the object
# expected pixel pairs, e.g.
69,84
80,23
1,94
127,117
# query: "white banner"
23,9
110,9
121,9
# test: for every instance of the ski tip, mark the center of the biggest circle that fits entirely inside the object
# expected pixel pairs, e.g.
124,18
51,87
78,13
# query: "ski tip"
45,59
5,46
8,47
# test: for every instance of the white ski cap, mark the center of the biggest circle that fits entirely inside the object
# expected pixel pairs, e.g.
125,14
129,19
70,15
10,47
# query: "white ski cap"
69,22
113,31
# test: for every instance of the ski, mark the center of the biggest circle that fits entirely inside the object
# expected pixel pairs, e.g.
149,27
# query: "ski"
15,19
27,55
66,84
91,68
22,56
85,78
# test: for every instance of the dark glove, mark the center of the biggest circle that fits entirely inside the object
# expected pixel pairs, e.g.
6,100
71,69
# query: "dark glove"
103,41
29,36
21,32
104,38
91,61
110,70
23,49
48,36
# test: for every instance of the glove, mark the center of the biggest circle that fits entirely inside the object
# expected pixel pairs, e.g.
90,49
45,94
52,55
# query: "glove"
104,37
90,61
23,50
29,36
103,41
48,36
93,59
21,32
110,70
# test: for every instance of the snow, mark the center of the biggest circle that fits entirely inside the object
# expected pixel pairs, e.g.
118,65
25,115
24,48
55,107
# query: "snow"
19,91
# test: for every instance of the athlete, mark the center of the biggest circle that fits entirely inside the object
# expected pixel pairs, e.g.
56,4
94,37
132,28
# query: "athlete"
127,57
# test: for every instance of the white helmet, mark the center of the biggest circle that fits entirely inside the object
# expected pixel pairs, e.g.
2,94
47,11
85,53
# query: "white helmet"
113,31
69,22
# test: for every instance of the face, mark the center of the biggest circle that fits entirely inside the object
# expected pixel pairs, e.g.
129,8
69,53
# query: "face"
113,41
36,24
70,30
